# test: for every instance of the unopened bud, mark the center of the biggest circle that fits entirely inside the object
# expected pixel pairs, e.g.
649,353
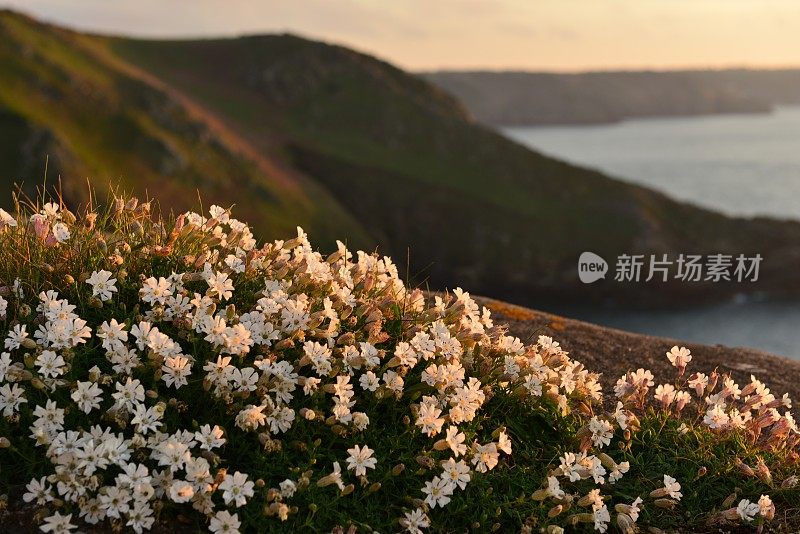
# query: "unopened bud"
555,510
667,504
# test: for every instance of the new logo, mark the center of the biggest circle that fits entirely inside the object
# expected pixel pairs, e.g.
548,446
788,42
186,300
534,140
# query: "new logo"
591,267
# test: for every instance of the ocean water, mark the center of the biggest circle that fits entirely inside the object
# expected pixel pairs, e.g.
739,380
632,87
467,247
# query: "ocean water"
738,164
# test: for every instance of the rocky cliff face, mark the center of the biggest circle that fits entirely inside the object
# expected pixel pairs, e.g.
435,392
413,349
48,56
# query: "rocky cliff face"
534,98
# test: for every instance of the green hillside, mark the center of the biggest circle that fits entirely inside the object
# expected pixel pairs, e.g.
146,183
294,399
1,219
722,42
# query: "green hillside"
62,97
300,132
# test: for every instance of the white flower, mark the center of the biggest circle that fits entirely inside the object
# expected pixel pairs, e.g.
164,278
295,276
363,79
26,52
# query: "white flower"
224,523
87,396
672,487
236,489
602,431
140,516
128,394
113,335
457,473
251,417
102,284
415,521
634,509
360,460
665,394
58,524
747,510
38,491
147,419
430,419
155,291
6,220
288,488
504,442
16,336
369,381
766,507
485,457
437,492
181,491
716,417
11,397
455,440
601,518
219,284
209,438
679,357
5,365
176,371
50,364
61,232
554,488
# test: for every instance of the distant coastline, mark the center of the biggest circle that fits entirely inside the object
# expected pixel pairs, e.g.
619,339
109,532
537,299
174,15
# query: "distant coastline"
513,98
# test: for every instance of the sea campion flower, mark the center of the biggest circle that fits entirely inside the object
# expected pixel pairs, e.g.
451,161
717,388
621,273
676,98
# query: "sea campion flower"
236,489
360,459
437,492
6,220
747,510
224,522
679,358
671,488
103,285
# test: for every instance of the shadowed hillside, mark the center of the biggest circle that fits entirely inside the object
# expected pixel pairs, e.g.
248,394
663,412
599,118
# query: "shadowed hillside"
297,131
62,97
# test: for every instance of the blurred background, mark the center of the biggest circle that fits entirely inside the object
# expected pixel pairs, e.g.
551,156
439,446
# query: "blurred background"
482,144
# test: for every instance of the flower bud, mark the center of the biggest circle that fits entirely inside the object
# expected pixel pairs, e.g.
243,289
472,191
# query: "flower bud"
626,524
555,510
667,504
744,468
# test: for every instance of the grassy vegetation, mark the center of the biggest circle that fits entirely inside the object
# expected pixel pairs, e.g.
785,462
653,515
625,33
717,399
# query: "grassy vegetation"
353,304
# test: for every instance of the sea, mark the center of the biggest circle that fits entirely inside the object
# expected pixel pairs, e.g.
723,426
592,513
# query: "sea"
747,165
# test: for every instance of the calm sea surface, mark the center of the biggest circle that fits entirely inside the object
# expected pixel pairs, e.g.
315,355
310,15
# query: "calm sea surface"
737,164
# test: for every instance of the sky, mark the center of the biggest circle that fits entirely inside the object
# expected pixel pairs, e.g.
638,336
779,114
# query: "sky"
562,35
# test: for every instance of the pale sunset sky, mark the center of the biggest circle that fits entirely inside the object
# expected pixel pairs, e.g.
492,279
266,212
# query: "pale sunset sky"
566,35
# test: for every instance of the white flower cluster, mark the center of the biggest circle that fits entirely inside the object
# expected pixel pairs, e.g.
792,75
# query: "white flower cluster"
135,388
310,344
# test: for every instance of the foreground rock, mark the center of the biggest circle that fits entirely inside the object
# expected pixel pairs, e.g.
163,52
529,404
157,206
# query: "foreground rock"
612,351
